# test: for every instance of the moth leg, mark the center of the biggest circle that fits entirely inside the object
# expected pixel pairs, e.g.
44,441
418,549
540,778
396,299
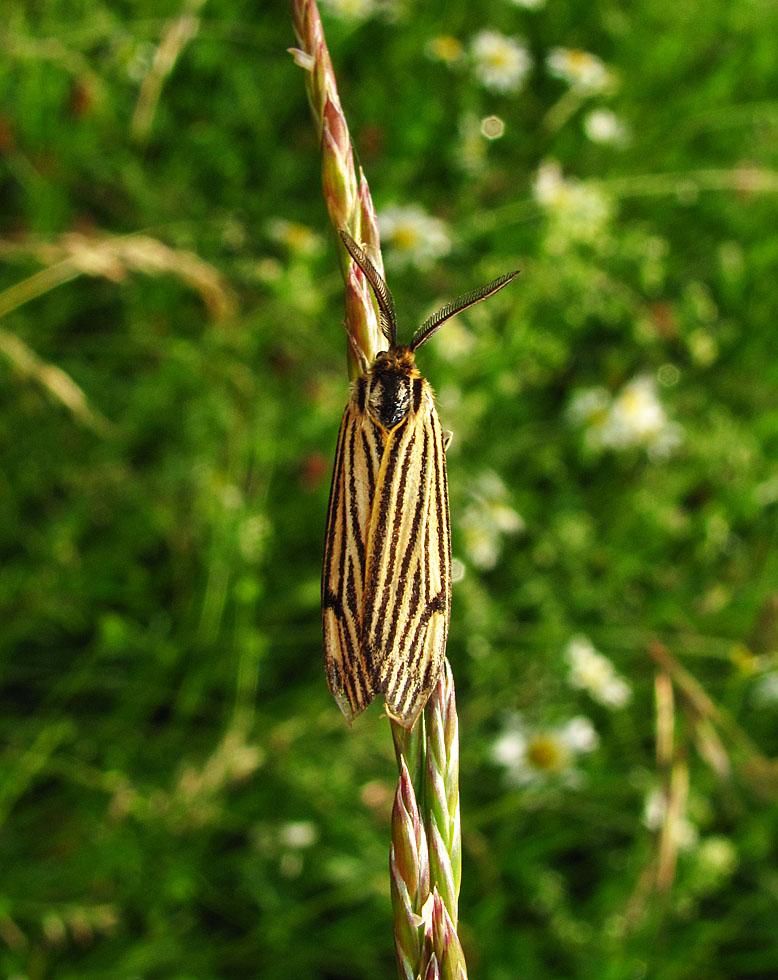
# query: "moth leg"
364,364
448,438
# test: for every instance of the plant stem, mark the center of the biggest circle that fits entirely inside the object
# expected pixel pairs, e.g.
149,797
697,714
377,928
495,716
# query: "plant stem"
425,853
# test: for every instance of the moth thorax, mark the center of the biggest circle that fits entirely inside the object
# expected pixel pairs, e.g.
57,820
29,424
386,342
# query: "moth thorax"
390,387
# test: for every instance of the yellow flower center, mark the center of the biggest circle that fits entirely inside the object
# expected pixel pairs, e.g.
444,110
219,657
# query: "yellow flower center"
299,237
406,237
579,61
447,48
547,753
498,58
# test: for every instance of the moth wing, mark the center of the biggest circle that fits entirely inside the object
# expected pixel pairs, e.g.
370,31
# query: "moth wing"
357,461
407,594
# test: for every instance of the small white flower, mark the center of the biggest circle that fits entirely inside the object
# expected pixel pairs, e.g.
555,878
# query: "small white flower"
501,63
535,755
298,834
506,519
604,126
580,735
634,417
549,187
592,672
581,70
529,4
415,236
638,418
295,236
637,414
577,211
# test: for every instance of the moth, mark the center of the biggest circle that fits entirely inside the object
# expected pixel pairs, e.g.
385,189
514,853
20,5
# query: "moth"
386,580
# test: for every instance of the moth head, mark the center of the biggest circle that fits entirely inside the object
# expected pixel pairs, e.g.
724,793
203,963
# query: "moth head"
389,387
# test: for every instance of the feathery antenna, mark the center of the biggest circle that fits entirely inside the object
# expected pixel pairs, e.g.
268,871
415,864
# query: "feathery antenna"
431,324
381,290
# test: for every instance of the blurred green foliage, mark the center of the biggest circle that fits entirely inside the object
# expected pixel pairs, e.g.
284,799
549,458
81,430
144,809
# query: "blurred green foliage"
179,797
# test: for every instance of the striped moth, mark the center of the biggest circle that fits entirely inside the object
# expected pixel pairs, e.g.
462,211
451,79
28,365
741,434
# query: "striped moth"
386,581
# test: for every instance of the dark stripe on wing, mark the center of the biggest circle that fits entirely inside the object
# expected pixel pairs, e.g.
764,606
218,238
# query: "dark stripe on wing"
408,599
356,536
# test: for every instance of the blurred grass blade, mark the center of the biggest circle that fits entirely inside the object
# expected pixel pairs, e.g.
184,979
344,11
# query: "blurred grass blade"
177,35
56,381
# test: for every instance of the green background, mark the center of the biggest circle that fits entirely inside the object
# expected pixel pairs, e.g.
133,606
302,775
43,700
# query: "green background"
179,795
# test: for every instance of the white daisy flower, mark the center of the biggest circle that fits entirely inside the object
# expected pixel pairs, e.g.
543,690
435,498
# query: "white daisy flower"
577,211
581,70
634,417
637,414
501,63
415,236
540,755
296,237
638,418
592,672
